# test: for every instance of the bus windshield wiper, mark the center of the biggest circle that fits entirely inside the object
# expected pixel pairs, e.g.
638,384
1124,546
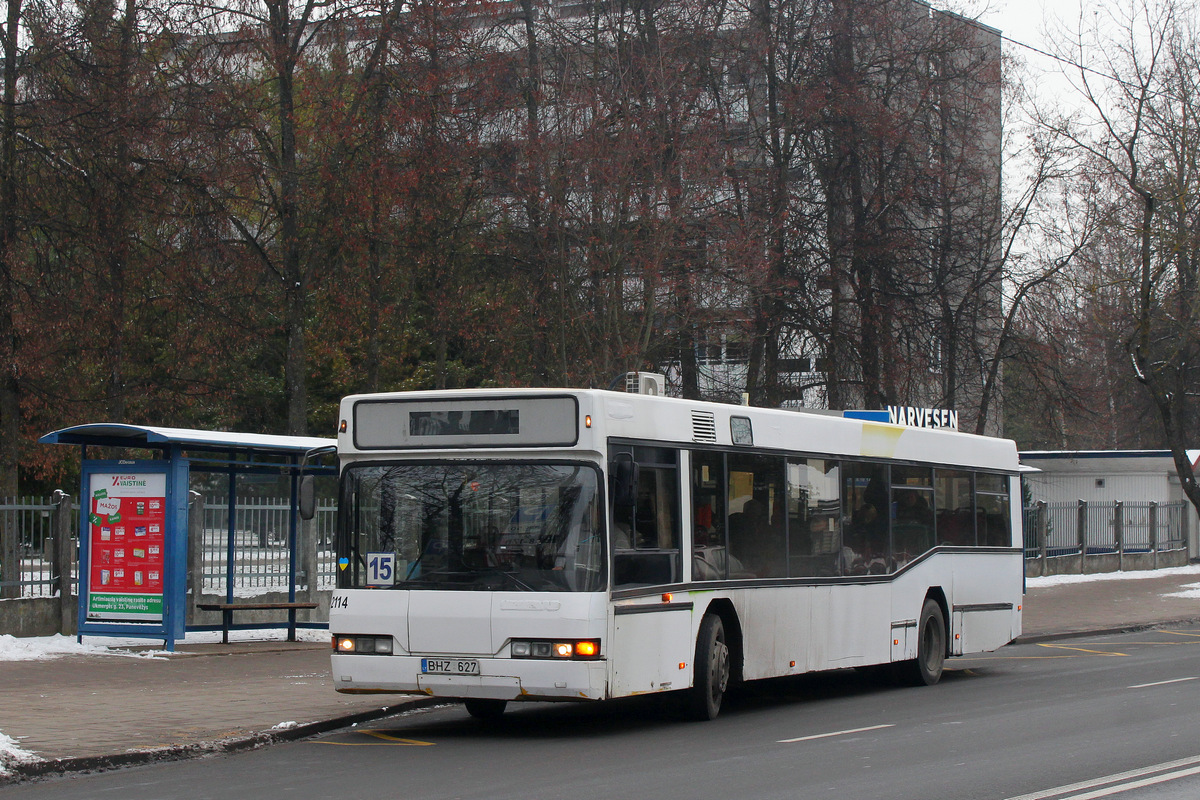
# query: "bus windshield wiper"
510,577
461,579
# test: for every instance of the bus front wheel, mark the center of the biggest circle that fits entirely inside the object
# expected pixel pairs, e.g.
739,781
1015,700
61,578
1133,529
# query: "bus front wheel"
485,709
711,669
926,670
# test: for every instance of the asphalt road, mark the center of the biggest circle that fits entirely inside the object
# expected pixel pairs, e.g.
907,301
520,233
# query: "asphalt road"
1069,719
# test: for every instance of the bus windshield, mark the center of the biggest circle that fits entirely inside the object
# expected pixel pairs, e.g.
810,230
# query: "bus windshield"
471,526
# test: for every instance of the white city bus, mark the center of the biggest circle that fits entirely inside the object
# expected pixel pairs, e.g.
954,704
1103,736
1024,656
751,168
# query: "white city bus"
501,545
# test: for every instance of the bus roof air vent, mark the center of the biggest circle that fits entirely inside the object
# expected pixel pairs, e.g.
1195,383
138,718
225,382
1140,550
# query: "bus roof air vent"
704,426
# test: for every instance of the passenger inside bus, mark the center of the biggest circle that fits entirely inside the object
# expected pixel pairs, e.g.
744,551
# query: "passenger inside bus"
711,561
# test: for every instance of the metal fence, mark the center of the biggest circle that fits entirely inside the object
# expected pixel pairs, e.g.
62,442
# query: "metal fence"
259,546
27,526
1092,529
258,543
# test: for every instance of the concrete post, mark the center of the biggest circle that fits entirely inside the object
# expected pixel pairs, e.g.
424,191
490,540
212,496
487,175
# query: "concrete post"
307,562
1119,533
63,558
195,545
1153,535
1082,525
1043,533
10,552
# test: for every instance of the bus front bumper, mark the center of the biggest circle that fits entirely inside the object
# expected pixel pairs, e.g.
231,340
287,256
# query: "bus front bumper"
498,678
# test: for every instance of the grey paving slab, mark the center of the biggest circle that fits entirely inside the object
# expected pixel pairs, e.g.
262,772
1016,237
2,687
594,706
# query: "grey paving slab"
87,706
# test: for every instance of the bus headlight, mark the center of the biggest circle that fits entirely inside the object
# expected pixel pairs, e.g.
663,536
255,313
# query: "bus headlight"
363,645
575,649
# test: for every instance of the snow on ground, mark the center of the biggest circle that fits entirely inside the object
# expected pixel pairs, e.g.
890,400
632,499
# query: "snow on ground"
1061,580
12,753
1191,591
41,648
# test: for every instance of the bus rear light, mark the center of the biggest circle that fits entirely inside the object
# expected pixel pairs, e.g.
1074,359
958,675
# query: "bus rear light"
578,649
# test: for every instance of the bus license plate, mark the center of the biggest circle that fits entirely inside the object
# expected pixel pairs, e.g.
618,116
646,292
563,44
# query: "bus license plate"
449,666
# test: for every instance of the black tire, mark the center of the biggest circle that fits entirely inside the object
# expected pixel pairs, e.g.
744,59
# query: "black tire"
481,708
711,677
926,669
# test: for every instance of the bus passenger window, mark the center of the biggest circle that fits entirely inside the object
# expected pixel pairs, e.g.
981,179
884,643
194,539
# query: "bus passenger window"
756,515
865,548
709,562
955,508
645,537
991,511
814,518
912,513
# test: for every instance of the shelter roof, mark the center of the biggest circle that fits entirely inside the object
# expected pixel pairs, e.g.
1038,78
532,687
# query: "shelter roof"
121,435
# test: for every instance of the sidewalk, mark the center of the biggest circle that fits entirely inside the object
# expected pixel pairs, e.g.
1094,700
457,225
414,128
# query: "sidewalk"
97,710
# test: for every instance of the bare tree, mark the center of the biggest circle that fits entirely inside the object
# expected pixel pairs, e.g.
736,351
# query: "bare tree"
1138,77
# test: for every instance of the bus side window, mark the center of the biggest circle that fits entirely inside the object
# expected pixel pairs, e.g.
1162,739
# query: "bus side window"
756,515
991,511
955,507
865,511
709,562
645,534
814,518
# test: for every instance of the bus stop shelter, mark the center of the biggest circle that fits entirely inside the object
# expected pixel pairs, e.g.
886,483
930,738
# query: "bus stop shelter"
142,528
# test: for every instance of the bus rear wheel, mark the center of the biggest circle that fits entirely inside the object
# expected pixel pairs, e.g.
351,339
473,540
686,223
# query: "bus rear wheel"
711,670
926,669
486,709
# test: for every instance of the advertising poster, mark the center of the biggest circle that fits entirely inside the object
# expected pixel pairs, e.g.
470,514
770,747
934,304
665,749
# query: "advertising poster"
126,536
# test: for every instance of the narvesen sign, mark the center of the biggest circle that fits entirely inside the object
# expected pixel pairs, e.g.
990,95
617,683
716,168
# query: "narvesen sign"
923,417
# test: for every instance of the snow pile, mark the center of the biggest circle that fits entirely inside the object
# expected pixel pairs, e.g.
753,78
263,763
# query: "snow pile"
11,753
42,648
1191,591
1061,580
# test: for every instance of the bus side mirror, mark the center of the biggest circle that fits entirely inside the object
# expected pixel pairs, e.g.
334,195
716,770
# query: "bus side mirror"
624,472
308,498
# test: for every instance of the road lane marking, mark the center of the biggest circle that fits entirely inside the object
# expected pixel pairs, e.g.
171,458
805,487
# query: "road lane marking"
389,740
1083,650
1131,779
1160,683
834,733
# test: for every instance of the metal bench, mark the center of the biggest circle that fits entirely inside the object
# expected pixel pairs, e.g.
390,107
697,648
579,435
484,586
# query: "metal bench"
227,610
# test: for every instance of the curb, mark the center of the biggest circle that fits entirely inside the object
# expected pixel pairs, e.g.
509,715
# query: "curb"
30,770
1037,638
